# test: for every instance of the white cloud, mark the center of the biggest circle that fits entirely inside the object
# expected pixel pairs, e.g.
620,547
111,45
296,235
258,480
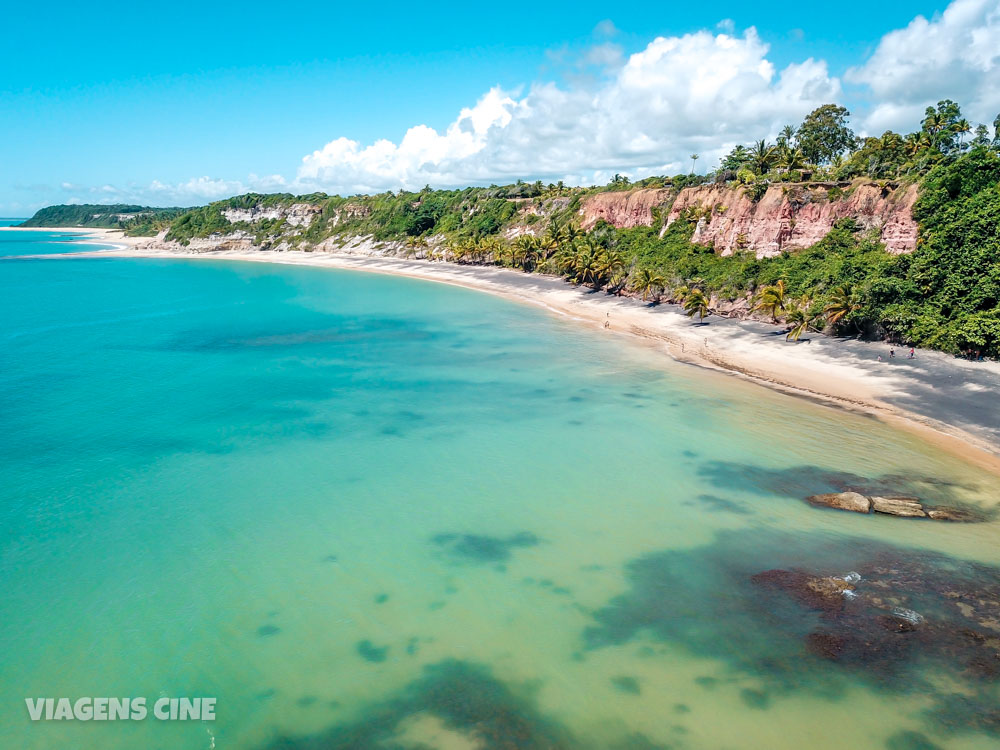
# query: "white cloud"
953,56
702,93
699,92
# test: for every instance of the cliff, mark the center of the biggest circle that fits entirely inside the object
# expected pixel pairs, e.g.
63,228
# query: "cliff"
788,216
297,214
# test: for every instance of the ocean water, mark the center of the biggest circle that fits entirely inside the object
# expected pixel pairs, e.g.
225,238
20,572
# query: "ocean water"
365,512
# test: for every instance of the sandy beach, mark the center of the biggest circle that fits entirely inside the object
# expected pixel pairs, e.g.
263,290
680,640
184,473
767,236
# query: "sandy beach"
949,401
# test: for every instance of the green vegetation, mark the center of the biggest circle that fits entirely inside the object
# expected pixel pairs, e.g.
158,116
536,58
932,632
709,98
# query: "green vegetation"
141,220
943,295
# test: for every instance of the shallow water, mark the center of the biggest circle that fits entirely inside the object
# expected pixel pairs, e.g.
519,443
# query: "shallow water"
375,512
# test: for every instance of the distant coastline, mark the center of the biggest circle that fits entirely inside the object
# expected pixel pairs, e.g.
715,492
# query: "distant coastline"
945,400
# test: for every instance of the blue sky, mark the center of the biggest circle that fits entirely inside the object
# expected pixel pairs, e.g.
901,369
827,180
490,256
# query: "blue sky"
185,102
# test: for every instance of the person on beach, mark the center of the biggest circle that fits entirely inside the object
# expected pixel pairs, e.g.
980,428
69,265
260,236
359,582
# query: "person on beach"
912,353
607,321
880,358
892,354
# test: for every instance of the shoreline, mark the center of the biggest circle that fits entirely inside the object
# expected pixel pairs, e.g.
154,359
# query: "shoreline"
923,396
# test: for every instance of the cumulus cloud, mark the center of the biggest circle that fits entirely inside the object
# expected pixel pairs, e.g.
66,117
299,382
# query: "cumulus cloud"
699,92
955,55
642,114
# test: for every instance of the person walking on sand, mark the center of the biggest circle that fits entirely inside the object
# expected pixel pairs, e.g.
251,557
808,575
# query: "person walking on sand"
912,353
892,354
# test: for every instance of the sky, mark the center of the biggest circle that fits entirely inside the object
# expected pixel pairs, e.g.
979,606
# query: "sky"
183,103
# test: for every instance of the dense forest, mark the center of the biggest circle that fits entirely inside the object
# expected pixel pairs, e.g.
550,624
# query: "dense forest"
944,295
141,219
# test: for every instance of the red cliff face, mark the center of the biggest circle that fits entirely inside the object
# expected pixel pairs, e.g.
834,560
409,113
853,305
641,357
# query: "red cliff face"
787,217
625,208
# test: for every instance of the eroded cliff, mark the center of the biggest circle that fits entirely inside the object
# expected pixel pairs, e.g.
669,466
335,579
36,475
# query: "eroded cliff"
787,217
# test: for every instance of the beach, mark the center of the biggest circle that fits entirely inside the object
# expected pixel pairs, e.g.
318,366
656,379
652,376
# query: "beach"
946,400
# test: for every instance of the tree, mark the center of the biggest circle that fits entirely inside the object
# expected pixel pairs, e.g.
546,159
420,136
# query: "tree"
610,264
761,156
738,157
787,136
647,282
553,239
844,301
694,158
696,303
942,124
772,300
824,134
801,318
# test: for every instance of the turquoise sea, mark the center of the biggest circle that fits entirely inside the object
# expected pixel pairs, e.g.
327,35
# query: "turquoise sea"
373,512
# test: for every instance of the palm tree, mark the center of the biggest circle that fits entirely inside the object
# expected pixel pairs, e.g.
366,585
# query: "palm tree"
787,135
790,157
681,293
694,158
586,267
696,303
647,282
528,249
761,156
843,301
553,239
962,128
772,300
801,318
610,264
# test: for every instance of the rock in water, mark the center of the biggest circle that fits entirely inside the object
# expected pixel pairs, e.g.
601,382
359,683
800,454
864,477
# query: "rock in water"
842,501
898,506
951,514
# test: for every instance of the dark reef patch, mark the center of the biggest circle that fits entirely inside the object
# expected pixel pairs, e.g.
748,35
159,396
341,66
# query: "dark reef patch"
814,613
626,684
755,698
478,548
265,631
466,698
381,598
803,481
370,652
716,504
909,740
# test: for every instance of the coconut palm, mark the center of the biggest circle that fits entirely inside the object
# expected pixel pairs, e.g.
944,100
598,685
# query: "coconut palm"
694,158
843,301
801,317
772,300
610,264
553,239
761,156
962,128
696,303
648,282
587,267
529,250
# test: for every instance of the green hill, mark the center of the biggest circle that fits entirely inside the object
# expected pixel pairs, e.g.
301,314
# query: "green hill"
118,216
